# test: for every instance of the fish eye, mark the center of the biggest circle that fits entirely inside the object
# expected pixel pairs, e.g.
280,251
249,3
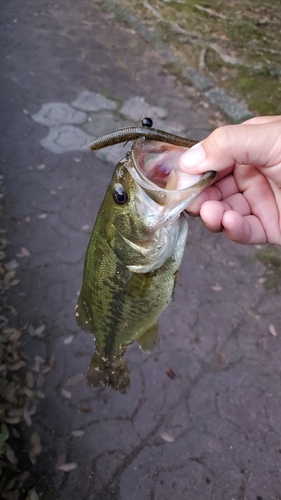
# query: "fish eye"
119,194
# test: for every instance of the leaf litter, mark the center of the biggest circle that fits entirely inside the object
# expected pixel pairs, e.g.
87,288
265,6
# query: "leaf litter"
20,387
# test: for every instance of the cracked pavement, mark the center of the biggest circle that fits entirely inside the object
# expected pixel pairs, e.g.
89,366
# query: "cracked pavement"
70,73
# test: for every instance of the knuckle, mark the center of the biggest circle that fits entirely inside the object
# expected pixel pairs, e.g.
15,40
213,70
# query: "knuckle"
222,139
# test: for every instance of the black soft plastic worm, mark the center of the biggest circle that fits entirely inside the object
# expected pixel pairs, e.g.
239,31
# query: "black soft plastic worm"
132,133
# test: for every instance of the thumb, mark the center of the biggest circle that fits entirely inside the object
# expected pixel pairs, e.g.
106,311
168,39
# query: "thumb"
257,144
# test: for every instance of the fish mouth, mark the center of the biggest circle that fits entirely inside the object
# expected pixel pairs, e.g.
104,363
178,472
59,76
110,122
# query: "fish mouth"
157,171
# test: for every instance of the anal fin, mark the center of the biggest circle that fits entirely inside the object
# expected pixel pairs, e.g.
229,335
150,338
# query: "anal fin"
149,339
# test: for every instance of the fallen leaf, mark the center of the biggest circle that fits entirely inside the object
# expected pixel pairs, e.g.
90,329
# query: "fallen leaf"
23,253
66,393
11,265
41,166
13,310
28,392
15,412
68,340
40,394
15,335
31,330
24,475
171,373
42,216
32,495
14,282
167,437
39,359
85,227
50,365
68,467
85,407
222,358
40,380
8,276
216,288
33,410
16,366
39,330
29,379
75,379
12,420
11,456
10,495
78,433
25,111
27,418
11,484
36,441
272,330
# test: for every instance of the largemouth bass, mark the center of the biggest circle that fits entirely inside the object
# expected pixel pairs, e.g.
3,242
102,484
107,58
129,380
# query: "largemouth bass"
135,249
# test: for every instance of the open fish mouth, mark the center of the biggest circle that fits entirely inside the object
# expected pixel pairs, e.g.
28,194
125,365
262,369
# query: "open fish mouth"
156,170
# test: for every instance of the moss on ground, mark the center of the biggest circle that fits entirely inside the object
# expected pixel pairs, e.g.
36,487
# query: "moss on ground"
237,43
270,257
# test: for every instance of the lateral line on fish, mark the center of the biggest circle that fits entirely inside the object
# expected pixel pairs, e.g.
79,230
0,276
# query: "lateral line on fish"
132,133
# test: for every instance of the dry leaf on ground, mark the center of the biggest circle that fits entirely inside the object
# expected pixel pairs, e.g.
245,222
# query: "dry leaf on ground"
272,330
11,456
68,340
66,393
32,495
74,379
39,330
78,433
167,437
68,467
216,288
10,495
24,252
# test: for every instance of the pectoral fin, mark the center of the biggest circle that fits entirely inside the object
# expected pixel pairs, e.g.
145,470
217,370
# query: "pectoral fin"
139,285
149,339
175,283
82,315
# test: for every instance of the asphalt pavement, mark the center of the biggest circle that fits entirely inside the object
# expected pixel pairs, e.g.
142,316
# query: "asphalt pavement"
212,430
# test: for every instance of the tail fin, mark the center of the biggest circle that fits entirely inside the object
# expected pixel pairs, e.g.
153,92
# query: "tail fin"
113,372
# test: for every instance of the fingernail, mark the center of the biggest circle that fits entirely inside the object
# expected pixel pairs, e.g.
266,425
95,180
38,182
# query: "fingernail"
193,157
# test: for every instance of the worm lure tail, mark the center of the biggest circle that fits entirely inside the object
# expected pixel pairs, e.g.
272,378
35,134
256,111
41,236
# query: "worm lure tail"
132,133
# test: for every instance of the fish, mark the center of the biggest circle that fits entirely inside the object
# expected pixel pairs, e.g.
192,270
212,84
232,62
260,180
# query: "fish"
135,249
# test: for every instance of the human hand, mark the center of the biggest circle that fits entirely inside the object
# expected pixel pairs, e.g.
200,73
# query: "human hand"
245,200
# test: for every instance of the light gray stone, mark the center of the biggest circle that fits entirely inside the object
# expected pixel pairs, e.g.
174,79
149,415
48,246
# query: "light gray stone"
137,108
113,154
229,105
57,113
93,101
200,81
103,122
66,138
